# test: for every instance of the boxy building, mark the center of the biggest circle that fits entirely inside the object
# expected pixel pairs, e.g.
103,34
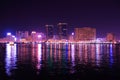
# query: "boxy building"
85,34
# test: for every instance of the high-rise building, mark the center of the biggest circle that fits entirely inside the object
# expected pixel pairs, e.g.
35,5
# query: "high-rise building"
85,33
110,37
18,34
63,30
26,34
49,31
22,34
10,37
33,35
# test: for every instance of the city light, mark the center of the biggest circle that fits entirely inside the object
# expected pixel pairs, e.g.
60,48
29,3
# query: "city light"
13,36
39,36
72,33
8,34
33,32
79,35
15,39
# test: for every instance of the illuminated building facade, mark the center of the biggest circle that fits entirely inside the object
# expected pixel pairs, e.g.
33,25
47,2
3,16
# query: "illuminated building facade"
110,37
36,36
49,31
85,33
63,30
10,37
33,36
71,37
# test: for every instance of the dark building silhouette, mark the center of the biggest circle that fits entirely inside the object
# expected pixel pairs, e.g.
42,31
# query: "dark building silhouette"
49,31
63,30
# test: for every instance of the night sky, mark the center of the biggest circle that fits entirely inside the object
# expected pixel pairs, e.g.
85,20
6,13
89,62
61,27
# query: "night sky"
104,15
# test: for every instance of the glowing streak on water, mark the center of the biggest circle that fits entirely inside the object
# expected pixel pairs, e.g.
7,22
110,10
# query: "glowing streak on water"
39,56
98,54
73,54
10,58
111,54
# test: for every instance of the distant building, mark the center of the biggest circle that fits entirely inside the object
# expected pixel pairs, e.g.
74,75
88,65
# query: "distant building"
85,33
36,36
18,35
110,37
26,34
49,31
10,37
56,37
33,35
22,34
63,30
71,37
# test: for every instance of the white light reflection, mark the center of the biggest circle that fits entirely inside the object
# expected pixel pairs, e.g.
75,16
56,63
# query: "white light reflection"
10,58
39,56
97,54
73,54
73,58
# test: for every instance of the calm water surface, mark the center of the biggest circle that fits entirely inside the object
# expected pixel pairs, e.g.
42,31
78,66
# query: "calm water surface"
59,61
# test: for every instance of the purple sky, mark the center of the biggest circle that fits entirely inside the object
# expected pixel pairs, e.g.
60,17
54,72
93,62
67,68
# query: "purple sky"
104,15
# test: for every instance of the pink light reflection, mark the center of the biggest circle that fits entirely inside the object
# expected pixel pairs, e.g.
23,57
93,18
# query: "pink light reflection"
39,56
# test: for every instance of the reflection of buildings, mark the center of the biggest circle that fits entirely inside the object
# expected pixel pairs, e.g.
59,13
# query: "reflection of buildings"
93,52
49,31
25,50
85,33
110,37
63,30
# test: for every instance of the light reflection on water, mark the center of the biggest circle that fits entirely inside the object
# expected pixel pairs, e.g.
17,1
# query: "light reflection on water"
98,54
59,58
10,58
39,56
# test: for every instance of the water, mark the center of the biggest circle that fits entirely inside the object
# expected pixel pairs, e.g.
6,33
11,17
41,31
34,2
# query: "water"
59,61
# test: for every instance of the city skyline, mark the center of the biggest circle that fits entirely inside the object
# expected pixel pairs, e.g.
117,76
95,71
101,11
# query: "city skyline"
34,15
80,35
51,31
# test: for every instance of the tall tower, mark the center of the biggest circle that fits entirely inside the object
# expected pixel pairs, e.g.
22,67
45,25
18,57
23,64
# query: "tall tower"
49,31
63,30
